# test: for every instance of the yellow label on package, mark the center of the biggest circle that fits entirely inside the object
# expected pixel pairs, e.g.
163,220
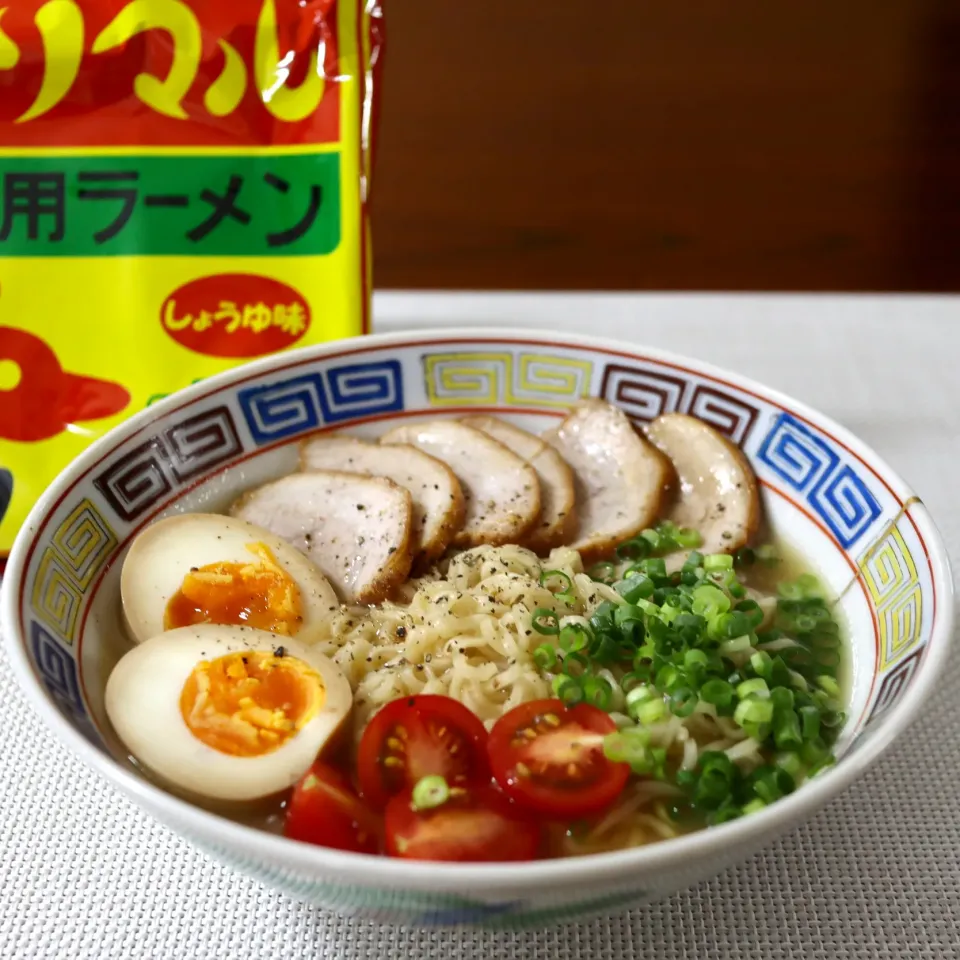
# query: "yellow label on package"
182,188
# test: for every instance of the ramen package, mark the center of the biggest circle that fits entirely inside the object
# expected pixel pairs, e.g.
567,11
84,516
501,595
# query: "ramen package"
183,187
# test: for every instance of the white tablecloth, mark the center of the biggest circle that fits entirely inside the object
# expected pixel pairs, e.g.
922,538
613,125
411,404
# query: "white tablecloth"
877,875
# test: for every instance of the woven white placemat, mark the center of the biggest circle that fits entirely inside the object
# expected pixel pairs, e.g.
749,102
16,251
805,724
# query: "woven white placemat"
877,875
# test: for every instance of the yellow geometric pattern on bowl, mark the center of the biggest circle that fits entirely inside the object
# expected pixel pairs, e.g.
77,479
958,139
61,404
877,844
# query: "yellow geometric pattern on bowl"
493,378
80,547
890,574
56,598
85,541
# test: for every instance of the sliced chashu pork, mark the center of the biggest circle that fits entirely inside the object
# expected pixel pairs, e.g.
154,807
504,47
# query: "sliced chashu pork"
438,505
357,530
501,492
557,522
622,479
717,493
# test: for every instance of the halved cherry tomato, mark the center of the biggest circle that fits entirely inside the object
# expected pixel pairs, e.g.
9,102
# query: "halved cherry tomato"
324,809
417,737
477,823
549,759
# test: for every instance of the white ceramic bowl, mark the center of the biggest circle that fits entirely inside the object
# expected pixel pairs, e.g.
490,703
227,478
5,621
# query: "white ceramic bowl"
869,536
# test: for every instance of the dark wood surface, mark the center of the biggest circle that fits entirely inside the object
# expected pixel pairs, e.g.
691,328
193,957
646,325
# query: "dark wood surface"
624,144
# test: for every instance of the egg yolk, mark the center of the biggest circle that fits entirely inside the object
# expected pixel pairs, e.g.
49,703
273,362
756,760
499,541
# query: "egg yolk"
249,704
261,595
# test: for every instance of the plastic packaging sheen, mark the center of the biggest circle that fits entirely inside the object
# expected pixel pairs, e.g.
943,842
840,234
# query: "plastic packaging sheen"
183,187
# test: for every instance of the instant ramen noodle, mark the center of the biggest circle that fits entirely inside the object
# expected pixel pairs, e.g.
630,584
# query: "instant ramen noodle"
183,187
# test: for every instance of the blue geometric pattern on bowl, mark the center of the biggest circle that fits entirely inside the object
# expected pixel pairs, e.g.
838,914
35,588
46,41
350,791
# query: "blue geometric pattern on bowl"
285,408
806,461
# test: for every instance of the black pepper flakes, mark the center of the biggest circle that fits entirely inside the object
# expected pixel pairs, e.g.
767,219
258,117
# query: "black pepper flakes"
280,652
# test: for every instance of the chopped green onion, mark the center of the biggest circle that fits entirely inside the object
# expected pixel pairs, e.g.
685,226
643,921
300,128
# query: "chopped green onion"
754,806
430,792
752,611
631,745
782,698
713,562
634,549
786,731
639,587
718,692
693,659
789,762
809,723
627,612
762,664
813,751
708,601
574,637
829,686
631,680
638,695
649,712
724,814
652,537
575,664
744,557
753,716
753,688
545,656
653,567
598,691
771,783
687,537
683,701
548,575
733,624
832,718
666,677
545,621
602,572
569,690
821,764
738,645
736,588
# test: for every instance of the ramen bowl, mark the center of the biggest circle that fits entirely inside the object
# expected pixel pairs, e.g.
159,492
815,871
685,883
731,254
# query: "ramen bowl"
858,524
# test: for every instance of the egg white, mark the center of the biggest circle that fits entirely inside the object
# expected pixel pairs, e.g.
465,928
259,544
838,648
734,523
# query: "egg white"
143,703
163,554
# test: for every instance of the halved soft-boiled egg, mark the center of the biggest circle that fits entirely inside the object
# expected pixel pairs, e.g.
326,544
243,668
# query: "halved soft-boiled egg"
226,713
207,568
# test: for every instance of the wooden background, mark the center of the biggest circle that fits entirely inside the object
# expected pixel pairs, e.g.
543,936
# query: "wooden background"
626,144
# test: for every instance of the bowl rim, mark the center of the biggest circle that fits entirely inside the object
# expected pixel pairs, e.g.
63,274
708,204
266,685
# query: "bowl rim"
374,871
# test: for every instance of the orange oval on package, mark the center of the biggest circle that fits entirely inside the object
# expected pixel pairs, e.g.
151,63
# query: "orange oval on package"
235,315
